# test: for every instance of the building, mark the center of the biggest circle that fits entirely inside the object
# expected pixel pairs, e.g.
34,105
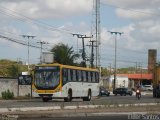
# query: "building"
127,80
139,79
152,59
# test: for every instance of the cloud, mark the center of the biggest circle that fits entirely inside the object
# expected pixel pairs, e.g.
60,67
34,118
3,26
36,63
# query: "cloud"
44,9
136,14
141,31
135,9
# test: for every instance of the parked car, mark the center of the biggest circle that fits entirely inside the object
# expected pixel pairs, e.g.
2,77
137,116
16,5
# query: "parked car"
148,87
123,91
103,91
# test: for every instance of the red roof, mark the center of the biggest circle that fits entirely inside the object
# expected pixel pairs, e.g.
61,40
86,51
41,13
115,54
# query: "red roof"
137,76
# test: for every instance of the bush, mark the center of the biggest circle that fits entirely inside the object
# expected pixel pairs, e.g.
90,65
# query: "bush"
28,95
7,95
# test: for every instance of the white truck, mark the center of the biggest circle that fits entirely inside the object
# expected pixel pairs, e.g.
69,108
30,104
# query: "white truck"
121,81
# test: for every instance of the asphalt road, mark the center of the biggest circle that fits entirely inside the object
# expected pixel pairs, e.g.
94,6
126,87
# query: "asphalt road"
111,117
104,100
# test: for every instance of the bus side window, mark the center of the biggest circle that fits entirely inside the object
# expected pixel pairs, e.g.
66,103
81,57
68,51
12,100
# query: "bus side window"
89,77
64,75
84,75
93,77
79,76
74,76
69,75
97,77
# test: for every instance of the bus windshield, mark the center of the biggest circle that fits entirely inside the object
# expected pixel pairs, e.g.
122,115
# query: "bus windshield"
47,77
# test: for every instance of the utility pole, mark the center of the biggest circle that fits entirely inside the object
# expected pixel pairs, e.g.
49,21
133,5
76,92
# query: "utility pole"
41,43
92,53
28,36
115,60
110,69
141,74
83,50
96,30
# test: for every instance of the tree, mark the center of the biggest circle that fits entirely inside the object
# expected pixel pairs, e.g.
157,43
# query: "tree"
64,54
13,71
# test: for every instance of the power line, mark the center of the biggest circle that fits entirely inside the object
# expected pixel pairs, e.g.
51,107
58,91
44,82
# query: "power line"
17,36
23,18
138,11
18,41
83,49
28,36
123,60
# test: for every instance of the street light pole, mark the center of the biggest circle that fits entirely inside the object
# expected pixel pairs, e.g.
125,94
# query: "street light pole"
28,36
115,60
41,43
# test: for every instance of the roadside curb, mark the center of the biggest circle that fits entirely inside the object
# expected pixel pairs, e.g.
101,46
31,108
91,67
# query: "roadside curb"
74,114
25,109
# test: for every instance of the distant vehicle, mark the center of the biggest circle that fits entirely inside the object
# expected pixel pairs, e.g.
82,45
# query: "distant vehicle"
103,91
123,91
122,81
148,87
138,94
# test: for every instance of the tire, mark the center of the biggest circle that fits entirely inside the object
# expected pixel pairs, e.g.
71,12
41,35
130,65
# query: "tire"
69,97
89,95
45,99
139,97
88,98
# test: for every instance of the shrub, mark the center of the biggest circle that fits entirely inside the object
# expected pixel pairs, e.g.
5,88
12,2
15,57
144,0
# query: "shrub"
7,95
28,95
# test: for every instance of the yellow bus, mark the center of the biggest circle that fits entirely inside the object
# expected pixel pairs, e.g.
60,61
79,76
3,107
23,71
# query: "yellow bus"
64,81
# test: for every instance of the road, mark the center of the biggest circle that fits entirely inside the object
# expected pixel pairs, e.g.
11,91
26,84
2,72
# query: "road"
95,101
104,100
111,117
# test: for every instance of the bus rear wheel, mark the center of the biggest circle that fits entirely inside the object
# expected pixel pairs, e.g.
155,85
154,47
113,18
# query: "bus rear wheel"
88,98
69,97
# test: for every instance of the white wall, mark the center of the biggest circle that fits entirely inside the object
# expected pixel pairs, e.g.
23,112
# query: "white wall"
12,85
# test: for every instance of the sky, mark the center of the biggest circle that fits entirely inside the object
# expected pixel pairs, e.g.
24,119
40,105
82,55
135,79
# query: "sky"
54,21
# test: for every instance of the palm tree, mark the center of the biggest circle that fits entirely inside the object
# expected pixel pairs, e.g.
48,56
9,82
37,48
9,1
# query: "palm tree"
64,54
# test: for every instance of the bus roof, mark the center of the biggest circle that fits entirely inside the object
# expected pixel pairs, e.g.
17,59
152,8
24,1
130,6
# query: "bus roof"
69,66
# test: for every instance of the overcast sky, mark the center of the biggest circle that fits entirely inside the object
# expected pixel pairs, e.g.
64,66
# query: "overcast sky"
53,21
